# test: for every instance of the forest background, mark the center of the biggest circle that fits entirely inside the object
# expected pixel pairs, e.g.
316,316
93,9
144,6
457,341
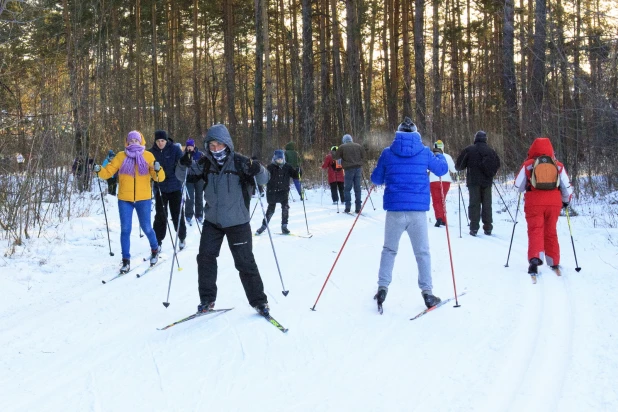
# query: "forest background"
77,75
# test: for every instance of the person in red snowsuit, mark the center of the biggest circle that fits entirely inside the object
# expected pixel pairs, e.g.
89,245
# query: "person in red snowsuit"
335,176
542,207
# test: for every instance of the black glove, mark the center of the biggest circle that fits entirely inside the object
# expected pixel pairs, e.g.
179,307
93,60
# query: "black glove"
186,160
96,168
254,167
565,204
437,150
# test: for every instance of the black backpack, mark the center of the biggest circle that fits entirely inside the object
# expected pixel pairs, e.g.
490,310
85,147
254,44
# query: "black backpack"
489,165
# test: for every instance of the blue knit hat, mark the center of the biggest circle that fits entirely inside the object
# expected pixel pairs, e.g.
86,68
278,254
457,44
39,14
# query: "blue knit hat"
190,142
346,138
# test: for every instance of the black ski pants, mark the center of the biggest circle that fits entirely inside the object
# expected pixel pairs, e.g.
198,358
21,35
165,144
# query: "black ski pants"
285,212
239,239
480,208
171,201
333,191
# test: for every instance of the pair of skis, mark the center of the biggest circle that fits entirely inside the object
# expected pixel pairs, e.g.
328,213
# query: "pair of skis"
557,271
269,318
426,311
139,275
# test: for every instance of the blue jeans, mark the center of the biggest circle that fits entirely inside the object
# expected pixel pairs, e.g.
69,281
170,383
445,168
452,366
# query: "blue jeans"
125,209
351,178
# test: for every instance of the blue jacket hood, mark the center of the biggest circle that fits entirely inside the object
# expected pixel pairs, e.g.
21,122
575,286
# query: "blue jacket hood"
407,144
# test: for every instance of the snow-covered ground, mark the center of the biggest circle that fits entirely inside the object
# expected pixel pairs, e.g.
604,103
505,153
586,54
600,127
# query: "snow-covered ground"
70,343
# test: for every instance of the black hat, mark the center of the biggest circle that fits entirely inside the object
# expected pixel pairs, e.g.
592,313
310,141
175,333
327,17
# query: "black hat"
407,126
480,136
160,135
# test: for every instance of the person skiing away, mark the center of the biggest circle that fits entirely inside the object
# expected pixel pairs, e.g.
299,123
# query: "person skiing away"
136,168
168,193
402,168
227,191
112,182
293,159
335,175
547,189
482,164
438,189
278,190
194,205
352,156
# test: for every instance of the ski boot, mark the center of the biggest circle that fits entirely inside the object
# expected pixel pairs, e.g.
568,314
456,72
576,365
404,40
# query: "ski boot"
430,299
126,266
154,255
284,229
262,309
204,307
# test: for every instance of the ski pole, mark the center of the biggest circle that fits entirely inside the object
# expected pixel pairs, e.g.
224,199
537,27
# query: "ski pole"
513,233
178,222
464,205
169,230
109,242
303,199
270,236
507,208
367,187
341,250
322,194
186,193
577,268
448,239
459,205
254,207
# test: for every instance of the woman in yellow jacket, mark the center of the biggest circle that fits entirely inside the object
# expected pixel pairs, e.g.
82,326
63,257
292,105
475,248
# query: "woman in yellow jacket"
136,167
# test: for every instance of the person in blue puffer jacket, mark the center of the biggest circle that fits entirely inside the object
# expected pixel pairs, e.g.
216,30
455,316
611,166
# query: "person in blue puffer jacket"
402,168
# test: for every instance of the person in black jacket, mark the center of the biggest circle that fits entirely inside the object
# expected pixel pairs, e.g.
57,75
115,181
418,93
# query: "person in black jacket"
482,164
278,190
168,194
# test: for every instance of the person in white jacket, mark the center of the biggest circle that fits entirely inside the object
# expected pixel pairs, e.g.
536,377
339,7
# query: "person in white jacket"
438,188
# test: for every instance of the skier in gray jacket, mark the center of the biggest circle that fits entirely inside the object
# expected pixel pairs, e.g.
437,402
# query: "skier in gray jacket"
228,176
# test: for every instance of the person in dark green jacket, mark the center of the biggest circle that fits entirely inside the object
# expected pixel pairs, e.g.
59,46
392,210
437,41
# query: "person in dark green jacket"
292,158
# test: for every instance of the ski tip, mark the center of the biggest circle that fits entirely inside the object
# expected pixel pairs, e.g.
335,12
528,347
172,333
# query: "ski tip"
166,304
285,292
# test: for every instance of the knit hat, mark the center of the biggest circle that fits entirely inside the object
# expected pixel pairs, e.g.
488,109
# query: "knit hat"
334,148
407,126
160,135
134,135
190,142
279,154
346,138
439,144
480,136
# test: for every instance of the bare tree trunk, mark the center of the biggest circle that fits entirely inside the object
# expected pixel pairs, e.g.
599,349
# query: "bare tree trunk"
228,51
509,88
353,69
307,120
268,75
537,85
340,106
369,72
197,109
258,90
419,65
393,87
155,69
407,73
435,70
325,85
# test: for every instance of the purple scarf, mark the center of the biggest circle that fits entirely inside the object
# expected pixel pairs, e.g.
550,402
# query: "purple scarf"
135,154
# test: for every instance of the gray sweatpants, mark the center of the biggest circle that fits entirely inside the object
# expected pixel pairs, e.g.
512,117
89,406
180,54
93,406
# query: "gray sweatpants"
415,223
